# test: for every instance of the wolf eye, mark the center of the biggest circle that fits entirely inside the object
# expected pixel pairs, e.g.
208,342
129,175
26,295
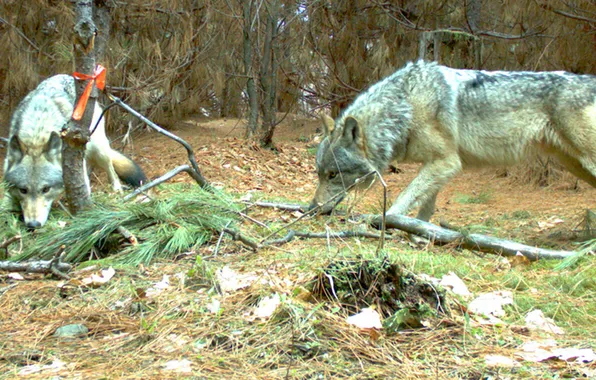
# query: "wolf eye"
45,190
23,190
332,175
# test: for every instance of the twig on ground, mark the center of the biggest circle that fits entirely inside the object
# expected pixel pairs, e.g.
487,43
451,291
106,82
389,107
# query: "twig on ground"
55,262
246,241
9,241
44,266
281,206
195,173
157,181
445,236
257,222
323,235
221,235
127,235
314,210
7,288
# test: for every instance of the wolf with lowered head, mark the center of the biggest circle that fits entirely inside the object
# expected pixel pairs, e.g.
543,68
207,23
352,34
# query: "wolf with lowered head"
449,119
33,164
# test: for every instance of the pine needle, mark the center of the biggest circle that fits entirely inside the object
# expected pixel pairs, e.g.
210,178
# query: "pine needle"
182,219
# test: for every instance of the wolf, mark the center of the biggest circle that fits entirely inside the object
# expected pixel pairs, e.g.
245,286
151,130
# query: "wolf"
33,163
449,119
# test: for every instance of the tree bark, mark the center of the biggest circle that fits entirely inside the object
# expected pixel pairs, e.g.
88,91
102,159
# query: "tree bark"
76,135
251,90
101,18
268,77
473,13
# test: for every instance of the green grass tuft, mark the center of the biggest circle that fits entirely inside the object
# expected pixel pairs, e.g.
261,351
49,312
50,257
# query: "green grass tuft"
482,197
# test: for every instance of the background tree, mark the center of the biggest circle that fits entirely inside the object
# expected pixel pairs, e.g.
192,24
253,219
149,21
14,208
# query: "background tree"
179,58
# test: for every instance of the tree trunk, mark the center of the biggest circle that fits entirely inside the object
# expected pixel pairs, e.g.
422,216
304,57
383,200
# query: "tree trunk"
76,135
251,91
473,13
423,44
268,76
101,17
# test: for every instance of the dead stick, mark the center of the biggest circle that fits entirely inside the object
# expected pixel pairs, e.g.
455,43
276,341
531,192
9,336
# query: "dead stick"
281,206
246,241
197,176
34,266
157,181
471,241
56,261
127,235
323,235
314,210
9,241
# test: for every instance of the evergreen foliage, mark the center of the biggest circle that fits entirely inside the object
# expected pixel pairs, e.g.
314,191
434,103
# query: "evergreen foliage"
182,218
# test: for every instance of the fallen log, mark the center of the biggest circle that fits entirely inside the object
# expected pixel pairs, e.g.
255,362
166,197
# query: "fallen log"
478,242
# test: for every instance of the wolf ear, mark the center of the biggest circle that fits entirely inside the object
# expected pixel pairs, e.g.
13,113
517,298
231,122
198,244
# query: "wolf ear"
352,130
328,124
15,153
53,148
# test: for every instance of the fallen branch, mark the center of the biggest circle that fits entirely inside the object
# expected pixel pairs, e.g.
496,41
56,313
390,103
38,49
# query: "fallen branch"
280,206
478,242
132,239
35,266
246,241
197,176
323,235
9,241
440,236
162,179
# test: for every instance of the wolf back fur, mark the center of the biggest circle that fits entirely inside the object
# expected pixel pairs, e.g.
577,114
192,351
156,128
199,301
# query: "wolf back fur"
448,119
33,164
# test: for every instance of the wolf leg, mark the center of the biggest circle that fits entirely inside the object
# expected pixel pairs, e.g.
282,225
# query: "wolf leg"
576,168
427,209
101,155
422,191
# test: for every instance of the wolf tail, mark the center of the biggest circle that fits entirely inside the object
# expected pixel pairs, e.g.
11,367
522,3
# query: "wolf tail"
128,170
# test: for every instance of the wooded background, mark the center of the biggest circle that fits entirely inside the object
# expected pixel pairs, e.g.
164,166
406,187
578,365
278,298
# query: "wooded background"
259,59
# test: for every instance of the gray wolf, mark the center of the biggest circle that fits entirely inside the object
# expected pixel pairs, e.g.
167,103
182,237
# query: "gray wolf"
33,164
448,119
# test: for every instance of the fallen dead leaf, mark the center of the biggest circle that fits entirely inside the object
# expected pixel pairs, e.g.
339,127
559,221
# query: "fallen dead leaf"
452,282
97,280
367,319
535,320
230,281
179,366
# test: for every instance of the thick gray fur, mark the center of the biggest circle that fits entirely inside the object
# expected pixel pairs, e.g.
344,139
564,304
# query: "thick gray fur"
448,119
33,164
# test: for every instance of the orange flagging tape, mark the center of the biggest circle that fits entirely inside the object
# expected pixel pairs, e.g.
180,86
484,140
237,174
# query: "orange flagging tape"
99,78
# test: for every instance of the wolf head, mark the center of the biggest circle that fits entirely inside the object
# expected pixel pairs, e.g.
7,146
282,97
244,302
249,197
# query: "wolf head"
34,178
341,161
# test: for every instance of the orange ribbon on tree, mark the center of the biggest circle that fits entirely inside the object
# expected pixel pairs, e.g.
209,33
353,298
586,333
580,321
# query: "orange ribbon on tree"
99,78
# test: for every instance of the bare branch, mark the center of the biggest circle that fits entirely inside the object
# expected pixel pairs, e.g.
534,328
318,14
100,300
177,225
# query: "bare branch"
191,155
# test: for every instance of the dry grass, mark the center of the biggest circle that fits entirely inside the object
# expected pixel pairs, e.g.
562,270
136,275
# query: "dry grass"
133,334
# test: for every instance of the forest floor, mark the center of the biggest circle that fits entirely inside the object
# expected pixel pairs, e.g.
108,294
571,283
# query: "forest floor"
175,318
